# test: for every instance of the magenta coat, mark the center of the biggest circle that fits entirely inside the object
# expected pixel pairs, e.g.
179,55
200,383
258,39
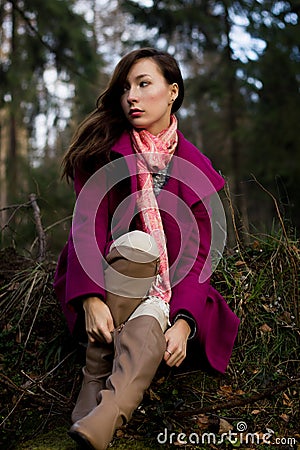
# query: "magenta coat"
216,324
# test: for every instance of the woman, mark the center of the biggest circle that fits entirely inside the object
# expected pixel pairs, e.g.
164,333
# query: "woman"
135,271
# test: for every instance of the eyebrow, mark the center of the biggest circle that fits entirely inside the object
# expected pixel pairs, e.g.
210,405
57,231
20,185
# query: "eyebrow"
142,75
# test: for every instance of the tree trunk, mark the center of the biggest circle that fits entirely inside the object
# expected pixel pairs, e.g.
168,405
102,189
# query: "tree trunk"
12,153
236,186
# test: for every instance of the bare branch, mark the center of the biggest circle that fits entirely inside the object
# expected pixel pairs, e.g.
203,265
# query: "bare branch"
39,227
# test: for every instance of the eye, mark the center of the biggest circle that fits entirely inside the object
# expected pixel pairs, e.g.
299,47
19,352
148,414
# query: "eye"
125,88
144,83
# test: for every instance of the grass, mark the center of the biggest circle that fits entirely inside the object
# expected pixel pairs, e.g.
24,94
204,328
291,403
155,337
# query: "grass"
40,364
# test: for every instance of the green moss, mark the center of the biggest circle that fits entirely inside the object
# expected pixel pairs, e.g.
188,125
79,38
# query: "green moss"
56,439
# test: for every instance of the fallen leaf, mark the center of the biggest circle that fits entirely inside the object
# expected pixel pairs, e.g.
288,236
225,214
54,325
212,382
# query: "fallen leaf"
255,411
265,328
224,426
285,417
7,327
211,422
240,392
286,400
256,245
267,308
286,317
153,395
226,390
19,337
240,263
202,421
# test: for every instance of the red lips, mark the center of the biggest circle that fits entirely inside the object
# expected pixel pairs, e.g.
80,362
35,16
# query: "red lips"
135,112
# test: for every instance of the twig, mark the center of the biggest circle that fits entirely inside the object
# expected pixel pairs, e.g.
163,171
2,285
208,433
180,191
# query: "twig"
6,208
35,397
39,227
29,292
12,410
231,208
49,228
16,209
237,401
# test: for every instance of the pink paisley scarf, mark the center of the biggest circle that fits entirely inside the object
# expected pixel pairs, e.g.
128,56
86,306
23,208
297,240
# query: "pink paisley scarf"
156,153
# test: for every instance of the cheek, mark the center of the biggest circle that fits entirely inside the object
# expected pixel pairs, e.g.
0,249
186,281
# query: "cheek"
158,98
123,103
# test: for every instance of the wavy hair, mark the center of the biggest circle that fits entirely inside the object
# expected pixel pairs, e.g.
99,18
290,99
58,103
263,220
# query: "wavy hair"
91,144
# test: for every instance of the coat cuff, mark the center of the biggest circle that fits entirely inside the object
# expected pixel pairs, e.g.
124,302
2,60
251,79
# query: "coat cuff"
190,320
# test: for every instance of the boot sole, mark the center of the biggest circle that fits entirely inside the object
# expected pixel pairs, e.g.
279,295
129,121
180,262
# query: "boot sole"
81,440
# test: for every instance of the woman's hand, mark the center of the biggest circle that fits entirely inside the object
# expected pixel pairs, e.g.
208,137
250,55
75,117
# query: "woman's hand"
176,338
98,320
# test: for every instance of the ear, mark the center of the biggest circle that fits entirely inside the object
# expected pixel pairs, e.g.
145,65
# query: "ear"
174,91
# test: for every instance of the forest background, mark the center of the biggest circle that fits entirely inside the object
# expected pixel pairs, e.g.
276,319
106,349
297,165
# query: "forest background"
240,61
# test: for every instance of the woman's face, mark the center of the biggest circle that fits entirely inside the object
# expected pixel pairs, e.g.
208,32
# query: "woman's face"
148,98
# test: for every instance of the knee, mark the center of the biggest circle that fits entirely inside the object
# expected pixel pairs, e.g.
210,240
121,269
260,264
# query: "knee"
138,240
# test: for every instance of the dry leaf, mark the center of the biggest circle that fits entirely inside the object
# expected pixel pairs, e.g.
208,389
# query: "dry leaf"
240,263
224,426
153,395
256,245
226,389
286,400
286,317
285,417
180,442
7,327
19,337
240,392
267,308
202,421
265,328
255,411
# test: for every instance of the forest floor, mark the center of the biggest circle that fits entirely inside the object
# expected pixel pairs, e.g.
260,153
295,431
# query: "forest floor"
254,405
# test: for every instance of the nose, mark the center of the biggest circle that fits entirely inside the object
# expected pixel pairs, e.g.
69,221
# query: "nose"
132,95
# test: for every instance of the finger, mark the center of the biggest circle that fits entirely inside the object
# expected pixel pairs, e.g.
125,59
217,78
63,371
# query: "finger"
108,337
179,362
176,358
167,356
91,338
170,359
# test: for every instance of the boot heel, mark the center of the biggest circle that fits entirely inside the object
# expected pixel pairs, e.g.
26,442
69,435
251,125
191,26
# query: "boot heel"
81,440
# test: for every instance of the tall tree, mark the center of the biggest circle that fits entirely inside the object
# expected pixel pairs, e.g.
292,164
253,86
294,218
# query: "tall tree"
275,139
39,38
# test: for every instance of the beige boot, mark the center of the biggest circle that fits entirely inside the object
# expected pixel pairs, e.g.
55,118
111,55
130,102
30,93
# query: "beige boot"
99,358
139,348
128,278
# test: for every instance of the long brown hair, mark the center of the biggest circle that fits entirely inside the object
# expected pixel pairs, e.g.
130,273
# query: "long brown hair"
91,144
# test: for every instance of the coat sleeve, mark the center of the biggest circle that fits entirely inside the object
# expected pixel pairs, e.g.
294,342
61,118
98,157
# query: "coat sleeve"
217,325
189,294
80,272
